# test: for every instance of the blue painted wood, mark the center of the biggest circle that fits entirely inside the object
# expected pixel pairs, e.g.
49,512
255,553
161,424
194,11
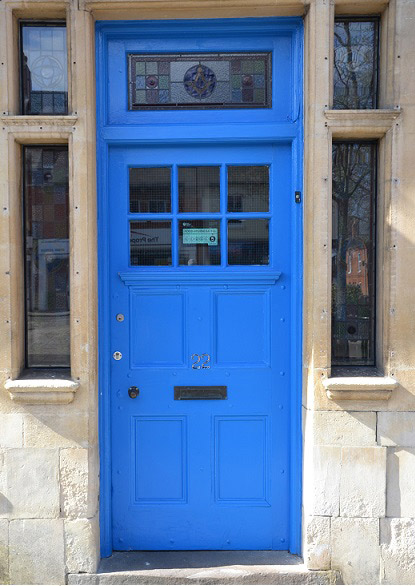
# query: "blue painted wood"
204,474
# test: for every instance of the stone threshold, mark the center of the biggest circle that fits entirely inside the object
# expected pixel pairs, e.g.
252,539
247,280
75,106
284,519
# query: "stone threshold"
205,567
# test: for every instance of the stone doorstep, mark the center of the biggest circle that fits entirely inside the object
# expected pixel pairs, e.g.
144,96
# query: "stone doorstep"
205,567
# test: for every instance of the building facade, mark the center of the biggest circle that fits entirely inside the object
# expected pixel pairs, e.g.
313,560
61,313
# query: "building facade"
207,328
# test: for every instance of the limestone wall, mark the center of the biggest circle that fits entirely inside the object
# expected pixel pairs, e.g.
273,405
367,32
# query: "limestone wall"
359,445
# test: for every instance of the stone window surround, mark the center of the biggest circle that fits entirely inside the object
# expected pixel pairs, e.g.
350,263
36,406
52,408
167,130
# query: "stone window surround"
347,124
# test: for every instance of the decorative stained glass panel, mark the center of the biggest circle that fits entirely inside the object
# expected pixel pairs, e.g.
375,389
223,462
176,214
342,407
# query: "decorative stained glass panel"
208,80
44,69
355,63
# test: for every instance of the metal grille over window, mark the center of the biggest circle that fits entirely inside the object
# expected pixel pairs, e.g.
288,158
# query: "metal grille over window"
150,243
44,68
248,242
353,250
248,189
355,63
199,189
47,256
199,242
208,80
150,190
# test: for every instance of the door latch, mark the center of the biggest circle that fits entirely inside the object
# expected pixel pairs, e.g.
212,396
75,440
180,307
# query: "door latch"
133,392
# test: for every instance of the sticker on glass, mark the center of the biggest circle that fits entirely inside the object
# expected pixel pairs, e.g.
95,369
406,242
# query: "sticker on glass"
207,236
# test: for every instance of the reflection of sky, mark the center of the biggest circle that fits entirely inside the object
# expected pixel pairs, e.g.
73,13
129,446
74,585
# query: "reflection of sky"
45,49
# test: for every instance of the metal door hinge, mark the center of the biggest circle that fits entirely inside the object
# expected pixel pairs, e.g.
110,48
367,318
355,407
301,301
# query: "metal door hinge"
298,197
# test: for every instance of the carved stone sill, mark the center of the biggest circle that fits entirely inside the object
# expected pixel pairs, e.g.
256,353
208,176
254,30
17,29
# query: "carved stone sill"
361,123
39,121
360,388
42,391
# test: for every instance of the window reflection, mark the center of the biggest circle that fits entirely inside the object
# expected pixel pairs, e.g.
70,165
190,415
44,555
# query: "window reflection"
44,69
353,249
355,63
47,256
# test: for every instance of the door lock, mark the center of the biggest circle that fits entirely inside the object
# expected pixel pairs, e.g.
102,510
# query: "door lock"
133,392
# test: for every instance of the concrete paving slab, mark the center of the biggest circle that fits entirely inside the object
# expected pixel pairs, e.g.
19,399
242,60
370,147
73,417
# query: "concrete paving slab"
205,567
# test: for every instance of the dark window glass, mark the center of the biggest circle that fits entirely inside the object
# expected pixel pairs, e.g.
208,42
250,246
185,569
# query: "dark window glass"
248,189
199,189
150,243
150,190
208,80
353,254
44,69
355,63
199,242
248,242
47,256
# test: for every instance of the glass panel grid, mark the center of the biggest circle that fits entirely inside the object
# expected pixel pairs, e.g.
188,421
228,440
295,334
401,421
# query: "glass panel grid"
190,235
44,68
207,80
46,256
353,254
356,57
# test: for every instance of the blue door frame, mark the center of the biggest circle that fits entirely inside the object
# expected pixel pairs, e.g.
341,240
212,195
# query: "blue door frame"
118,127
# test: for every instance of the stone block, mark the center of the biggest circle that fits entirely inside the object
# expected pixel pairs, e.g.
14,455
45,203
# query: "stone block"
31,484
363,482
4,551
60,431
355,550
37,551
324,477
400,483
318,548
397,547
11,435
82,545
396,429
74,482
341,428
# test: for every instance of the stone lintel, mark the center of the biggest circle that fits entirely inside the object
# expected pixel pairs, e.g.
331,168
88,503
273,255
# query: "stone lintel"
42,391
360,388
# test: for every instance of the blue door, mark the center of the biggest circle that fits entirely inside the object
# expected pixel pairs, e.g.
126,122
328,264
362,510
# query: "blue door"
200,326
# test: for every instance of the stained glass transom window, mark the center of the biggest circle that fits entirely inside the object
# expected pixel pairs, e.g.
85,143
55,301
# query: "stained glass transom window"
208,80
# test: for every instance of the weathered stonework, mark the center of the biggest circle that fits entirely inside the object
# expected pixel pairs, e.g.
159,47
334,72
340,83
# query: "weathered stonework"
359,450
355,549
37,551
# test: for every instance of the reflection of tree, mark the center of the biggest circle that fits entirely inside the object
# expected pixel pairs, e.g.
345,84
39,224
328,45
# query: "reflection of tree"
352,203
355,47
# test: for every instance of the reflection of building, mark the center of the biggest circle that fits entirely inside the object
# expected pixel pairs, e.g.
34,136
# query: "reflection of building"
357,273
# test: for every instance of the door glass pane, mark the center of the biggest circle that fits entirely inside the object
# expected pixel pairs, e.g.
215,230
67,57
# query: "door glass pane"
248,189
199,189
44,69
199,242
248,242
47,256
150,190
150,243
